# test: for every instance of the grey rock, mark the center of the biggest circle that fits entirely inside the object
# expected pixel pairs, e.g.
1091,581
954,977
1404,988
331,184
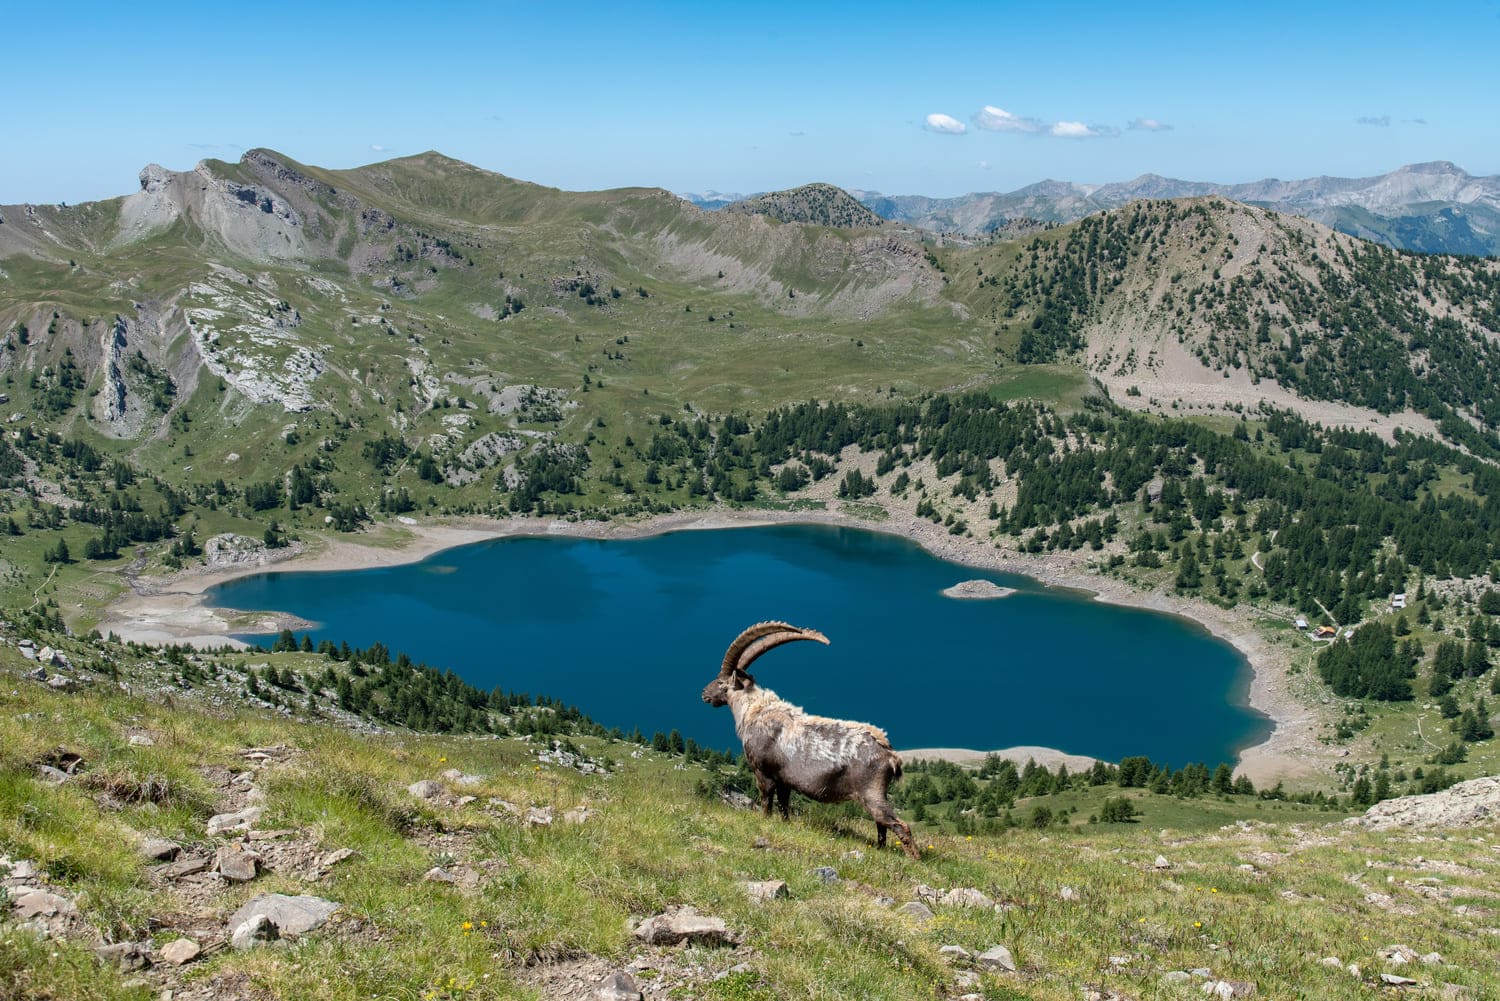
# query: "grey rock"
966,896
161,849
42,904
425,789
617,986
1202,972
1393,980
684,924
189,866
437,874
1176,977
1432,959
539,816
1398,955
180,951
237,864
253,931
292,916
1333,962
59,683
52,776
242,820
578,815
1467,804
997,957
826,874
126,956
1161,863
1229,989
955,953
770,889
916,909
141,740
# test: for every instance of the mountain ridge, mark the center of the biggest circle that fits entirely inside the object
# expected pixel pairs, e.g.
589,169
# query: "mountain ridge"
1433,207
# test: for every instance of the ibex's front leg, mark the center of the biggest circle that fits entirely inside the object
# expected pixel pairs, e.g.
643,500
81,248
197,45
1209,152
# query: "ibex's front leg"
885,817
784,800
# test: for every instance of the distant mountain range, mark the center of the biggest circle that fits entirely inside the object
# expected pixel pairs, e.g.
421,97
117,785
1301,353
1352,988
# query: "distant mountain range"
1431,207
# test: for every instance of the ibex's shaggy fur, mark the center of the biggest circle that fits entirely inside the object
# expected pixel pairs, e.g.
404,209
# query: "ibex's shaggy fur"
829,760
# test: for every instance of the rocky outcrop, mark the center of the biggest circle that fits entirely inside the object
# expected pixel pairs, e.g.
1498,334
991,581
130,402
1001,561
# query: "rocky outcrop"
1467,804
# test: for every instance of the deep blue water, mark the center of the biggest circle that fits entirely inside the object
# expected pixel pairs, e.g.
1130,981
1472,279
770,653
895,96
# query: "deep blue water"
631,630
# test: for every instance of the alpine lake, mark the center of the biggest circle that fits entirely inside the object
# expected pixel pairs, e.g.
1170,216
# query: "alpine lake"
630,631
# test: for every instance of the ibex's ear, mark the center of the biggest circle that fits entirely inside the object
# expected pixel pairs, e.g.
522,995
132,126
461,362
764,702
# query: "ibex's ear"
742,680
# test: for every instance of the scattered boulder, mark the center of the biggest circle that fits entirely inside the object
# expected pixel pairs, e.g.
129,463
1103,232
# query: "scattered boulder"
578,815
237,863
241,820
916,909
253,931
1392,980
770,889
618,986
1229,989
58,682
126,956
684,924
141,740
190,866
42,904
160,849
426,789
1398,955
51,775
1161,863
955,953
825,874
180,952
966,896
291,916
539,816
997,957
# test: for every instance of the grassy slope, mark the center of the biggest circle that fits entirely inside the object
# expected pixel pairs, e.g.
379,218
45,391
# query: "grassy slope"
565,892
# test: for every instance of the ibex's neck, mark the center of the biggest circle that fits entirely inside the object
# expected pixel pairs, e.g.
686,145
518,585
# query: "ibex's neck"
743,703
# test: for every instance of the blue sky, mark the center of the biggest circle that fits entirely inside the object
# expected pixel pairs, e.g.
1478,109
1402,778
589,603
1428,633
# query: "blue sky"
691,97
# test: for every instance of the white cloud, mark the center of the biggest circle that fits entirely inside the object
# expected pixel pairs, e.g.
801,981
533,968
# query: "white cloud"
1078,130
999,120
1148,125
945,124
377,147
1379,121
984,165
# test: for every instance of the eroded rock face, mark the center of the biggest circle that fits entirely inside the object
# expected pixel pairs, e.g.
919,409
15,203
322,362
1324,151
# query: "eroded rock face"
1466,804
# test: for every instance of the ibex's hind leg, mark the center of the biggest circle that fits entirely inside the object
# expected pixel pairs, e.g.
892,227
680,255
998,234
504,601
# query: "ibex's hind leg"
885,817
784,800
767,793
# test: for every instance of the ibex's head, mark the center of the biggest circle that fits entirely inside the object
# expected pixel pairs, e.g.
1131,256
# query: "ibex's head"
746,647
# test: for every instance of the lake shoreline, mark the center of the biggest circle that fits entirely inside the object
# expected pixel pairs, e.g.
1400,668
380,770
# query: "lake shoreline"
174,609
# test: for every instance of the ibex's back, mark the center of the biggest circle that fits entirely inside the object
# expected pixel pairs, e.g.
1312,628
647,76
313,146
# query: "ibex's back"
829,760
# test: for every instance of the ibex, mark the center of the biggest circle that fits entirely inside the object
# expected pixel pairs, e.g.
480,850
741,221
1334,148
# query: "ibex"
829,760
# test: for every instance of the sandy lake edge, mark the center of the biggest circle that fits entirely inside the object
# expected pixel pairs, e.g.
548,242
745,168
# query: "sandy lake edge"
173,609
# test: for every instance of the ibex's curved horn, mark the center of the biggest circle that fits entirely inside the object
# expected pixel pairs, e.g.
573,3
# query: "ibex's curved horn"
744,639
761,637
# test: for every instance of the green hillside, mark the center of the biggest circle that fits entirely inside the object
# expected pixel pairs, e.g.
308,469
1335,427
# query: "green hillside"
519,874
